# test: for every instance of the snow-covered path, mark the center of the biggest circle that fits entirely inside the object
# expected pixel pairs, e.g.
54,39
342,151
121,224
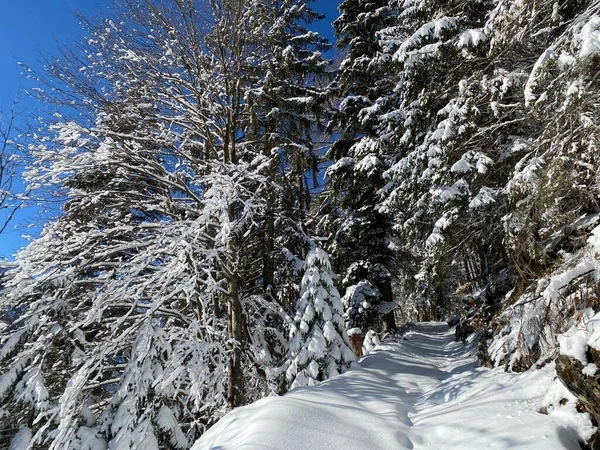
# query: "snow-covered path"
421,393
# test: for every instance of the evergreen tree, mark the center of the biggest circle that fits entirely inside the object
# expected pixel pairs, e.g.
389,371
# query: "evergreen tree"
285,107
362,233
319,347
484,185
551,190
441,182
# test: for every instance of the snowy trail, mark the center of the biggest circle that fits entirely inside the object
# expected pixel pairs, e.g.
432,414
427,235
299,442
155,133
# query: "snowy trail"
421,393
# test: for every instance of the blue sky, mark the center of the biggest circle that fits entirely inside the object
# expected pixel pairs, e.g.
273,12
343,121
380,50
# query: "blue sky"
29,31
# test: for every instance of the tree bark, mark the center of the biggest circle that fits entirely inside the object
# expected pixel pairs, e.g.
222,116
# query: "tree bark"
268,274
235,383
388,320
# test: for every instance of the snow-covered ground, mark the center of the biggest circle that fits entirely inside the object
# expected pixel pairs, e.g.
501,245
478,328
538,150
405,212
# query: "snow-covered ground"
422,392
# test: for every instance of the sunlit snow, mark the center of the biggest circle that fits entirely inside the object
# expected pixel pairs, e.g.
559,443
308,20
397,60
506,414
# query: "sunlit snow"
421,392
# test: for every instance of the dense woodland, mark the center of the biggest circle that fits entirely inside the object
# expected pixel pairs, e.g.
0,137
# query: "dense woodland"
234,203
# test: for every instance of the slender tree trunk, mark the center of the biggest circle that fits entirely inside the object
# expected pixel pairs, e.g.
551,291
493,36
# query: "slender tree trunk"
268,274
235,383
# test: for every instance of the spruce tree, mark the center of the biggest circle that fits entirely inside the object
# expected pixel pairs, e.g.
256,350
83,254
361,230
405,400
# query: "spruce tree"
442,181
285,107
362,232
319,347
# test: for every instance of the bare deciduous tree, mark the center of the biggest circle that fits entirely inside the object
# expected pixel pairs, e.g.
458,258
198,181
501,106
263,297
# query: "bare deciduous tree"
9,201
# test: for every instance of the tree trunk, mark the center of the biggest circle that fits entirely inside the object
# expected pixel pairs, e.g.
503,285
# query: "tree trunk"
268,274
235,383
388,320
268,269
356,342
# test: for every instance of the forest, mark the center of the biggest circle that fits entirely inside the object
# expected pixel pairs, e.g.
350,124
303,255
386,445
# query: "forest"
245,208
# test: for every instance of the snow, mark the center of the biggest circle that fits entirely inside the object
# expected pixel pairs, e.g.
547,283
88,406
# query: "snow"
370,342
531,83
593,329
369,164
594,239
434,28
484,197
421,392
21,439
584,334
574,345
438,228
561,404
87,439
589,37
461,166
590,370
167,421
318,346
470,38
564,279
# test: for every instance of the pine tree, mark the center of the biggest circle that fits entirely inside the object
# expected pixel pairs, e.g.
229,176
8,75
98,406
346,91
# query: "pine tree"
484,186
319,347
551,190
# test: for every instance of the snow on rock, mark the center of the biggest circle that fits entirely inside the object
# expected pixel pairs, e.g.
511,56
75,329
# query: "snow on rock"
561,404
584,334
525,335
574,345
422,392
590,370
